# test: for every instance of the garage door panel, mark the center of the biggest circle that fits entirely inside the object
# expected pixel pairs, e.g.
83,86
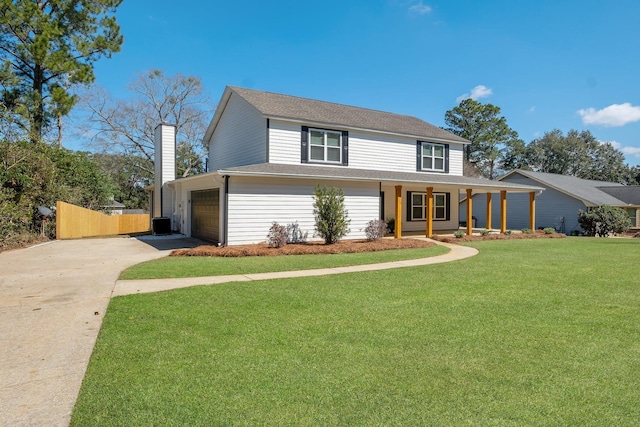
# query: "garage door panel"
205,215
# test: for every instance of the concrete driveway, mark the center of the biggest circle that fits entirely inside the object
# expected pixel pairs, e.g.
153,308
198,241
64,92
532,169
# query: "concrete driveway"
52,301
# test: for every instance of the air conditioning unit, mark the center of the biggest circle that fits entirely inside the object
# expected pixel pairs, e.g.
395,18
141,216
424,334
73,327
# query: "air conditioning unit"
161,225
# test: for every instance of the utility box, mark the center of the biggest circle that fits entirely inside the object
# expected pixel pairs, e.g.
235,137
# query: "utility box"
161,225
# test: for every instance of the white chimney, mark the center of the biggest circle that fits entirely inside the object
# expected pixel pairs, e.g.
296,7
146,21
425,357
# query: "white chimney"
165,169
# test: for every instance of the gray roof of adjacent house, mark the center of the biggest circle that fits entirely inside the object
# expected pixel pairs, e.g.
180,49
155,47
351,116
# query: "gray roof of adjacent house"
589,191
627,193
342,173
278,106
112,204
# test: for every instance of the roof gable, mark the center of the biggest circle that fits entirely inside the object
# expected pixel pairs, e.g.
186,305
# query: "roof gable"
274,105
588,191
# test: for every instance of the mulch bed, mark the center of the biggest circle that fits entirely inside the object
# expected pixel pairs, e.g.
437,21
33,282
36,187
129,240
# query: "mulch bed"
538,234
342,247
345,246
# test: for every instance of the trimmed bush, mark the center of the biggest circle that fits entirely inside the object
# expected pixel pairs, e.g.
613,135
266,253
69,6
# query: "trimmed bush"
508,232
277,236
549,230
527,231
332,218
376,229
604,220
459,234
485,232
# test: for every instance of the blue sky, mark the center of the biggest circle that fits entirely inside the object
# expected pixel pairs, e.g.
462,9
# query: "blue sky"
547,64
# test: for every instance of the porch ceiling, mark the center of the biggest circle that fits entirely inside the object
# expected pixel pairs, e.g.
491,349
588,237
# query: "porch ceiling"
441,181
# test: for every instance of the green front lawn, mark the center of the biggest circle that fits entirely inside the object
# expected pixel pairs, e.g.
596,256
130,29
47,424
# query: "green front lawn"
180,267
528,332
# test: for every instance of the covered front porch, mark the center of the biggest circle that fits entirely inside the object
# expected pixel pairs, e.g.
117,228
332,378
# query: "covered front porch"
433,209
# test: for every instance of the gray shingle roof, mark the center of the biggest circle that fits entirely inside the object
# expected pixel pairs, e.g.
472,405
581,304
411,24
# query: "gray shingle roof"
627,193
274,105
584,189
349,174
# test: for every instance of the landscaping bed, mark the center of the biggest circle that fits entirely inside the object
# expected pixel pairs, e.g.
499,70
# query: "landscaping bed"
347,246
342,247
538,234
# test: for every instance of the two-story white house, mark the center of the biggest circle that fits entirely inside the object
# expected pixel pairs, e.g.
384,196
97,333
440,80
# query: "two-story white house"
267,153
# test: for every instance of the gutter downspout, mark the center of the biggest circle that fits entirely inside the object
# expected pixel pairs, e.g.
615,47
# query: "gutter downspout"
225,214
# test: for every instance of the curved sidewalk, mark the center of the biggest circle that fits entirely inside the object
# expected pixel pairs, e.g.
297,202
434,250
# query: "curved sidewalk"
129,287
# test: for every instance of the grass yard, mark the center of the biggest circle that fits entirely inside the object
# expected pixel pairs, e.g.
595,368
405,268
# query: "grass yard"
528,332
180,267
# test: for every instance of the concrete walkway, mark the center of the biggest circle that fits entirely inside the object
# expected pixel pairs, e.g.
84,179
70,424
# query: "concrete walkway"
52,302
128,287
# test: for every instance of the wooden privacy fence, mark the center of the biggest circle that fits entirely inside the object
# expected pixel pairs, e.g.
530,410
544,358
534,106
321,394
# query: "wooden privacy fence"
73,222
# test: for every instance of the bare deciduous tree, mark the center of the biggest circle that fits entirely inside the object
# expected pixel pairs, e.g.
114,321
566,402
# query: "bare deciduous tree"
126,126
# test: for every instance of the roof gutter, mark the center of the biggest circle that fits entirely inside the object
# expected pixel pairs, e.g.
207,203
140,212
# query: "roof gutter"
523,188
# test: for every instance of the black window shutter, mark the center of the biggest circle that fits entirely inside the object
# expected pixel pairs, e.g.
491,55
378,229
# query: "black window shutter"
446,162
448,202
345,148
304,145
409,205
419,156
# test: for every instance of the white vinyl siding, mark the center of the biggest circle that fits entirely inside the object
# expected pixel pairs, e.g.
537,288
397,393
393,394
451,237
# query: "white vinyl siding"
284,142
255,203
240,138
367,150
456,156
375,151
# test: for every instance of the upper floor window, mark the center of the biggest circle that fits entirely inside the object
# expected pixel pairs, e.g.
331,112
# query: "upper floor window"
324,146
433,157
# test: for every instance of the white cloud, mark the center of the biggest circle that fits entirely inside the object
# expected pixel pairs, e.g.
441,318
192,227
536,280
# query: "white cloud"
613,115
420,8
632,151
614,144
480,91
532,109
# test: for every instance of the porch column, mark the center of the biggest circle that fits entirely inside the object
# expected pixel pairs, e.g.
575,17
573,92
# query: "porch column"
429,211
503,211
489,211
638,217
398,230
469,212
532,210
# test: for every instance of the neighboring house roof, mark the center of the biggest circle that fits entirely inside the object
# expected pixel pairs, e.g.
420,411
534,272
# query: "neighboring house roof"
341,173
588,191
627,193
278,106
114,205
